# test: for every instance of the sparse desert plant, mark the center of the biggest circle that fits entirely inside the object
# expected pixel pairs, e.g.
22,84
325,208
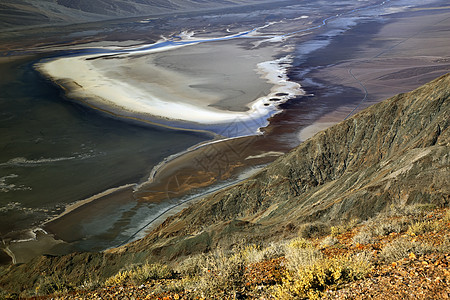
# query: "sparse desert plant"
140,274
414,210
192,266
52,285
273,250
315,229
447,216
222,274
300,253
339,229
299,243
90,283
388,226
444,247
309,281
253,253
148,272
402,248
9,296
363,237
119,279
329,241
419,228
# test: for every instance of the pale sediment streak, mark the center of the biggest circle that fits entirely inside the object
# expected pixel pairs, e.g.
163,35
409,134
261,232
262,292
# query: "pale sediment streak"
24,162
71,207
7,187
32,233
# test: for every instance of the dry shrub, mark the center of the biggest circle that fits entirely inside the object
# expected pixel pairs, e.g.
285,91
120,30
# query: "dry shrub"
223,274
411,211
255,254
312,230
363,237
329,241
380,226
299,243
119,279
90,283
447,216
216,275
140,274
386,227
402,248
53,285
312,278
419,228
337,230
148,272
192,266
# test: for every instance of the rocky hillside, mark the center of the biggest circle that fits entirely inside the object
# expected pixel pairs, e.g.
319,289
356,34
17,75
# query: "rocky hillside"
15,13
403,253
393,154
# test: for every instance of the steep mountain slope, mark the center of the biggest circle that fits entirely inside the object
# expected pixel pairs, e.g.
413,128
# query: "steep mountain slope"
15,13
395,152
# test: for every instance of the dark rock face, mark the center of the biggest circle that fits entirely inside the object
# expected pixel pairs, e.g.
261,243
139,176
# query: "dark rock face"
394,153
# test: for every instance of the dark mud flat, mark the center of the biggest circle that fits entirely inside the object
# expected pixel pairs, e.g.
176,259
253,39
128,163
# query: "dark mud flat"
55,152
393,55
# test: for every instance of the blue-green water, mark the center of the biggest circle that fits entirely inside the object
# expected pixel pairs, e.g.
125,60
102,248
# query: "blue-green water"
54,152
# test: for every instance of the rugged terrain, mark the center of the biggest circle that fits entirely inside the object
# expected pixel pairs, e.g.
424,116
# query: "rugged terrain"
17,13
394,154
400,254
